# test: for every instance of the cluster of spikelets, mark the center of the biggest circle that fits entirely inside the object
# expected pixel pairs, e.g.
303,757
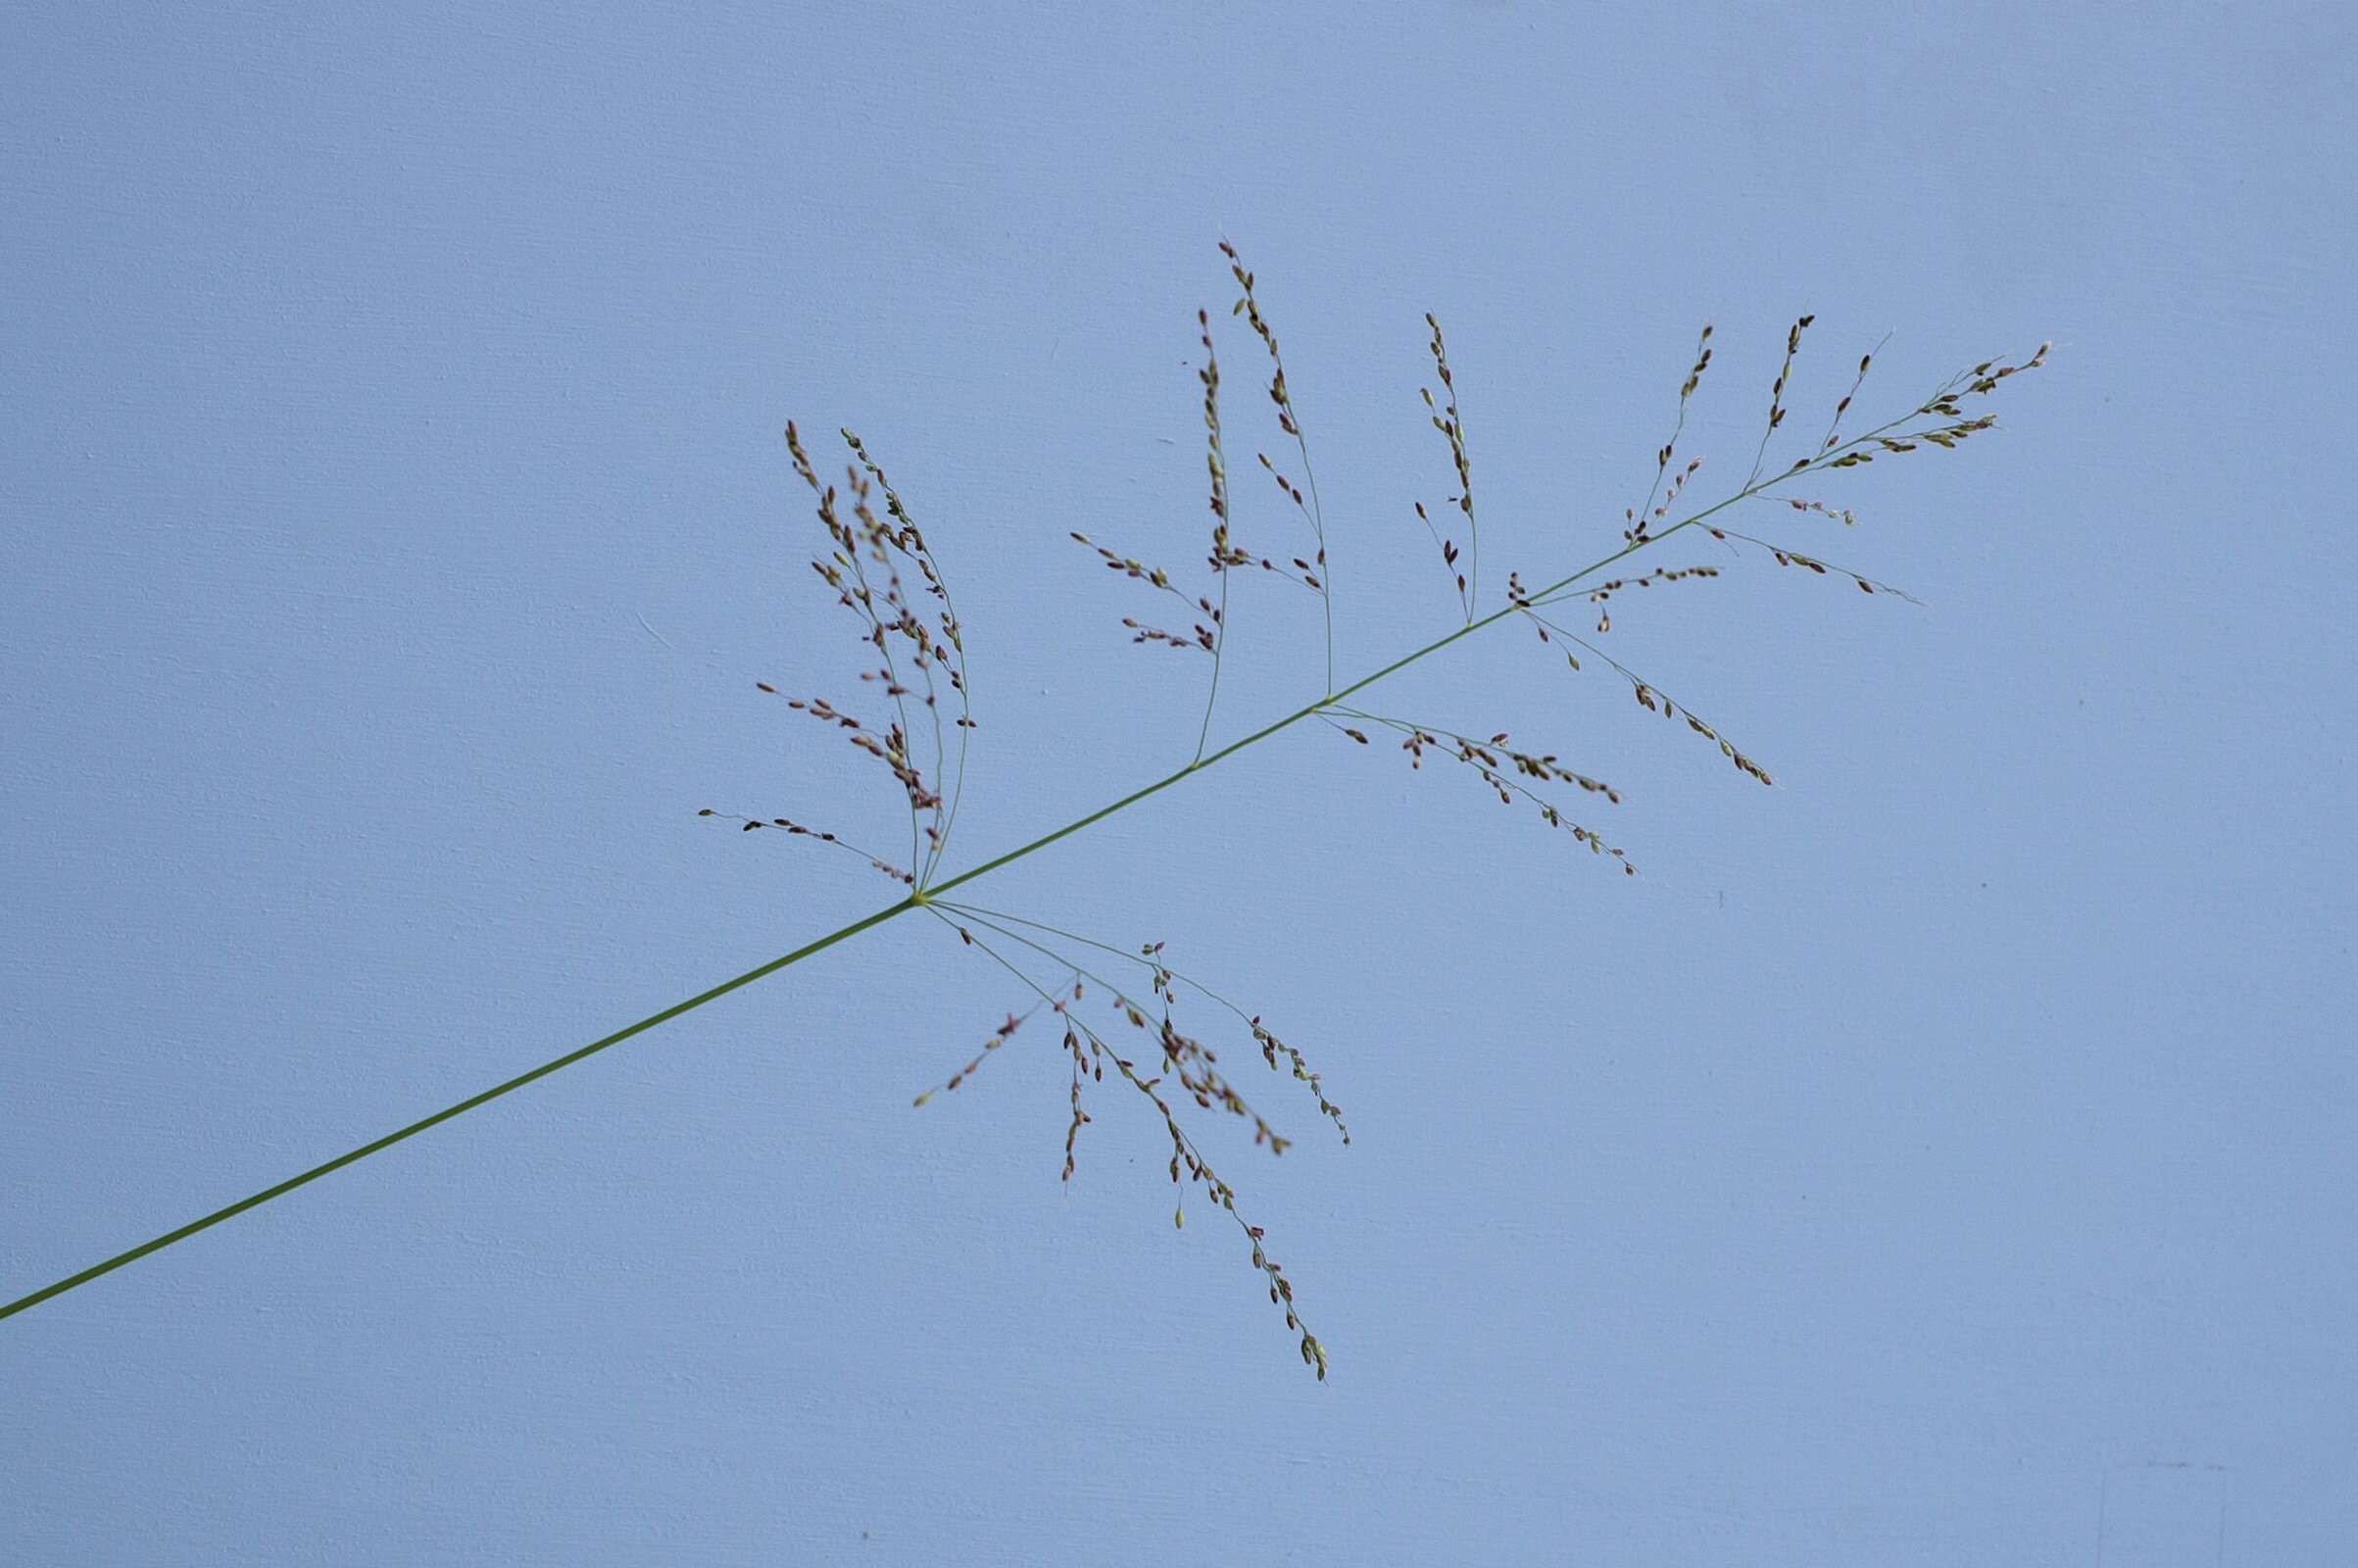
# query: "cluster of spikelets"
1166,1067
920,654
918,659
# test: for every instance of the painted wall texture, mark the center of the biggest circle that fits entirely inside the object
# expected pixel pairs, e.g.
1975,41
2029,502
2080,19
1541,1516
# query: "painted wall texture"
1941,1157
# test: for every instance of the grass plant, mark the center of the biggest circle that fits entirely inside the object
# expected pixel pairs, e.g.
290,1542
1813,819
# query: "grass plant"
1117,1007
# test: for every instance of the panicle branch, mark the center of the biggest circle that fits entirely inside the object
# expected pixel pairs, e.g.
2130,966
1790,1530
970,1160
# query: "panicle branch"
1492,760
1639,517
919,654
1223,554
1787,557
798,830
1447,419
1648,695
1314,572
998,1037
1775,414
1186,1059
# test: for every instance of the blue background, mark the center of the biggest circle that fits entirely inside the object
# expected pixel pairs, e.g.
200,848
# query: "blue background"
1941,1157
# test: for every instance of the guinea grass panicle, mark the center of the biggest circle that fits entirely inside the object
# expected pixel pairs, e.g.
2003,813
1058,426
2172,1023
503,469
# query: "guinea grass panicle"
1122,1007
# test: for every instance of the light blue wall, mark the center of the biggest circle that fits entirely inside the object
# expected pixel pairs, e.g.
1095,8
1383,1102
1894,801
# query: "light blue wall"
1941,1158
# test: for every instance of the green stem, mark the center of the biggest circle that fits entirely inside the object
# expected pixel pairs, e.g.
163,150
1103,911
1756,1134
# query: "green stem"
446,1113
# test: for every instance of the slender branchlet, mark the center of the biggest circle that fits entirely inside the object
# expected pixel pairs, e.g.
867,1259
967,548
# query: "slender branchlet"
1786,555
796,829
1492,760
1447,419
998,1037
1648,695
1639,519
1834,425
949,651
1776,412
913,649
1223,553
1316,573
